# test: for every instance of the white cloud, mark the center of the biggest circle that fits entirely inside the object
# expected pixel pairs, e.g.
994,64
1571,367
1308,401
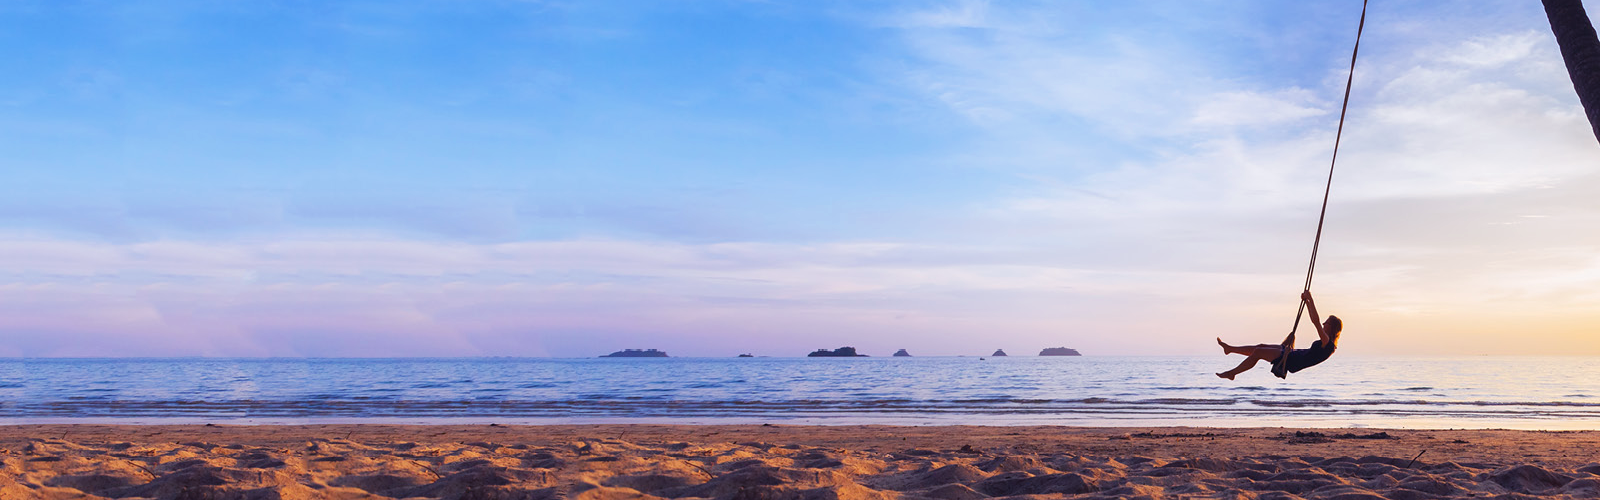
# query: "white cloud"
1495,51
1255,108
965,14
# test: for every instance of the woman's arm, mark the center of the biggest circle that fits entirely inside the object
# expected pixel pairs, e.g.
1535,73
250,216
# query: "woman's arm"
1316,320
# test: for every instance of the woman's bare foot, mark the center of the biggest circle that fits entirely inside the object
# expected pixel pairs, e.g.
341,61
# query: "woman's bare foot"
1225,375
1226,349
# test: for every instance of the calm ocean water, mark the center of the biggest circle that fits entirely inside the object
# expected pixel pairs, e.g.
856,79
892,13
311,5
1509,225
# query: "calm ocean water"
1351,391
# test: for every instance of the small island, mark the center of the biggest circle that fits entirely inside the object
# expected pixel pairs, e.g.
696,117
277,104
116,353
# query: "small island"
902,353
746,355
998,352
842,352
637,353
1059,351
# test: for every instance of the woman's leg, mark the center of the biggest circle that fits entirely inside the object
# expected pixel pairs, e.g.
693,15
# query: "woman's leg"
1256,353
1250,350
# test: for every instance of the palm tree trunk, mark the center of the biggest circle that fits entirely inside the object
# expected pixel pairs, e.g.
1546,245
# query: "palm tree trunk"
1581,51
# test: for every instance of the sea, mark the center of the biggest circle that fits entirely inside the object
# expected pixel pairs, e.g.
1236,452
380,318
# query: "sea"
1549,393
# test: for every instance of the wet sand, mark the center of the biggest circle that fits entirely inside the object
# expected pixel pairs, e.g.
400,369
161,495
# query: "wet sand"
800,462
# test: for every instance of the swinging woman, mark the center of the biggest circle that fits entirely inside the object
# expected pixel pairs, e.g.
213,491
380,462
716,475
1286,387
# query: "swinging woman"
1298,359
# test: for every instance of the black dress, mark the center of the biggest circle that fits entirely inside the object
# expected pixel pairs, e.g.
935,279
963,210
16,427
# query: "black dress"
1300,359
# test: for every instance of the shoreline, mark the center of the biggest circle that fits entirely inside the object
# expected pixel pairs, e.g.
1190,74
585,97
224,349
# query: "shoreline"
608,461
1343,423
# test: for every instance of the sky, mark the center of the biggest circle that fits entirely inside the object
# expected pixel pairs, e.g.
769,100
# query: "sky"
709,178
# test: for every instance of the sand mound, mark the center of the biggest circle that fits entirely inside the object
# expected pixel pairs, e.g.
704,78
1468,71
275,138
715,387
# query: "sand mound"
94,483
483,480
1585,487
1529,479
378,483
955,473
1221,465
849,491
1011,463
590,492
1434,487
954,492
1023,483
654,482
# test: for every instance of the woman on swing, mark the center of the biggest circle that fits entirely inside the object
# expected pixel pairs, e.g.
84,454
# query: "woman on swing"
1298,359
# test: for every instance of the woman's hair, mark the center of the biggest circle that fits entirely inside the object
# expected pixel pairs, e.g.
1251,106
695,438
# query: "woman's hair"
1335,325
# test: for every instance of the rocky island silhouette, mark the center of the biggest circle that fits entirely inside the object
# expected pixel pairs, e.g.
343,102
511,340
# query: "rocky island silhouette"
1059,351
637,353
842,352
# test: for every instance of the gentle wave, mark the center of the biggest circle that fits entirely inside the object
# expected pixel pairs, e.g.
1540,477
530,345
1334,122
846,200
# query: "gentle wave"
634,406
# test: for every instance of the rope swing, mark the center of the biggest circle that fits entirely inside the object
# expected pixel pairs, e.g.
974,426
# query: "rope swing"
1281,369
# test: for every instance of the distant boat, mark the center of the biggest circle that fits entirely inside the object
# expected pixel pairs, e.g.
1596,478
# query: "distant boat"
842,352
637,353
902,353
1059,351
745,355
998,352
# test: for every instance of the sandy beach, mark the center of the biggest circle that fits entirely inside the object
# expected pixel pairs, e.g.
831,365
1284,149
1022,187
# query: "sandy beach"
801,462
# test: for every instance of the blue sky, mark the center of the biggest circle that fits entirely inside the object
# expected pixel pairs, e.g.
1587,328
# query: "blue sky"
570,178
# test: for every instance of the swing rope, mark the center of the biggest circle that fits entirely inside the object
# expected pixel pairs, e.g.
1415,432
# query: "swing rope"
1311,269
